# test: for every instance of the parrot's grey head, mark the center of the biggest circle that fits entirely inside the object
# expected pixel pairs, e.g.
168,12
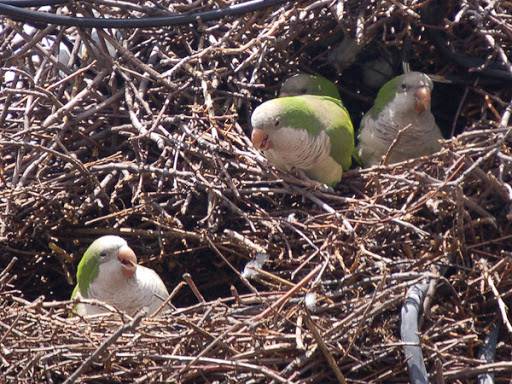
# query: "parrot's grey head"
306,84
113,254
412,92
266,120
281,123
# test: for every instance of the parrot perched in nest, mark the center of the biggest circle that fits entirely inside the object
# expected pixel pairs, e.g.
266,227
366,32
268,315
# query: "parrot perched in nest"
108,271
307,133
404,101
306,84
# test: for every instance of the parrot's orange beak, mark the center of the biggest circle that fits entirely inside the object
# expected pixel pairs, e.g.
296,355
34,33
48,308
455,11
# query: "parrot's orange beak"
422,95
260,139
127,258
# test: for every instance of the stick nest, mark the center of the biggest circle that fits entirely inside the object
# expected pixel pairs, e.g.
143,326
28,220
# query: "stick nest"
151,144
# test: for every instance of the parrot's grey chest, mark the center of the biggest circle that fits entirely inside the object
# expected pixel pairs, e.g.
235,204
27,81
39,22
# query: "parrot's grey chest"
127,294
296,148
416,134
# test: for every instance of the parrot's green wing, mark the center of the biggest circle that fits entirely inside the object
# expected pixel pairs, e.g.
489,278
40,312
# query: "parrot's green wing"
75,292
342,139
88,269
328,88
323,113
357,158
385,96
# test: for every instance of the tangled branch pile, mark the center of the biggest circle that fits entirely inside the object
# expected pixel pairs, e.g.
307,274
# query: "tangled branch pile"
150,143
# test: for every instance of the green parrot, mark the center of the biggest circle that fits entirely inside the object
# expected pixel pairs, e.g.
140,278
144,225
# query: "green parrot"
403,101
108,271
307,133
306,84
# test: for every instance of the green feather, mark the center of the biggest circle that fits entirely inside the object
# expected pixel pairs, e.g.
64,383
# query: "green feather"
318,113
75,291
356,157
88,269
327,88
306,84
73,295
385,95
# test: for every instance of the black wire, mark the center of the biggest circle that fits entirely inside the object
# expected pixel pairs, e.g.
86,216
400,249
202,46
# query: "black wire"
487,352
433,15
478,65
25,15
32,3
409,316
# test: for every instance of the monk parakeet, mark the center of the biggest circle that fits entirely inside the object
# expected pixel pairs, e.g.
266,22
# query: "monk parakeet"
307,133
108,271
403,101
306,84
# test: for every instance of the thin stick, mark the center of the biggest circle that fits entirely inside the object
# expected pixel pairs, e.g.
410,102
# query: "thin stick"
325,350
108,342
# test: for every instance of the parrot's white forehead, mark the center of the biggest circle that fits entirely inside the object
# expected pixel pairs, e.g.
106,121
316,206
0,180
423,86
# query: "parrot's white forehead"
109,242
265,114
417,79
302,83
301,80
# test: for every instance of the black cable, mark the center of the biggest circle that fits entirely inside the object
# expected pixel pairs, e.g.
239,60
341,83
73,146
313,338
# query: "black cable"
25,15
32,3
476,65
409,331
433,15
487,352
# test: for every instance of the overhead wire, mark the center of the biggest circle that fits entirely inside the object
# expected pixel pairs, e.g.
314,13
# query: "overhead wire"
33,3
18,13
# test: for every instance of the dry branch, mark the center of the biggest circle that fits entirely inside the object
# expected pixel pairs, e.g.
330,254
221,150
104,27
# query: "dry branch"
151,143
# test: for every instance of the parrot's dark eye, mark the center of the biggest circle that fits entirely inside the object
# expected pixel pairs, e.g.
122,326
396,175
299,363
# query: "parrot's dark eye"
103,254
403,86
276,123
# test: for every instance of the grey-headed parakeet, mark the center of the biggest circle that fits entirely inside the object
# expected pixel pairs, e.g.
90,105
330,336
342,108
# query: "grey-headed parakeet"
306,84
108,271
404,101
311,134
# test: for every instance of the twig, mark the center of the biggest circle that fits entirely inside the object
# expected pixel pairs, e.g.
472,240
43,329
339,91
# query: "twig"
394,143
103,347
501,304
325,350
